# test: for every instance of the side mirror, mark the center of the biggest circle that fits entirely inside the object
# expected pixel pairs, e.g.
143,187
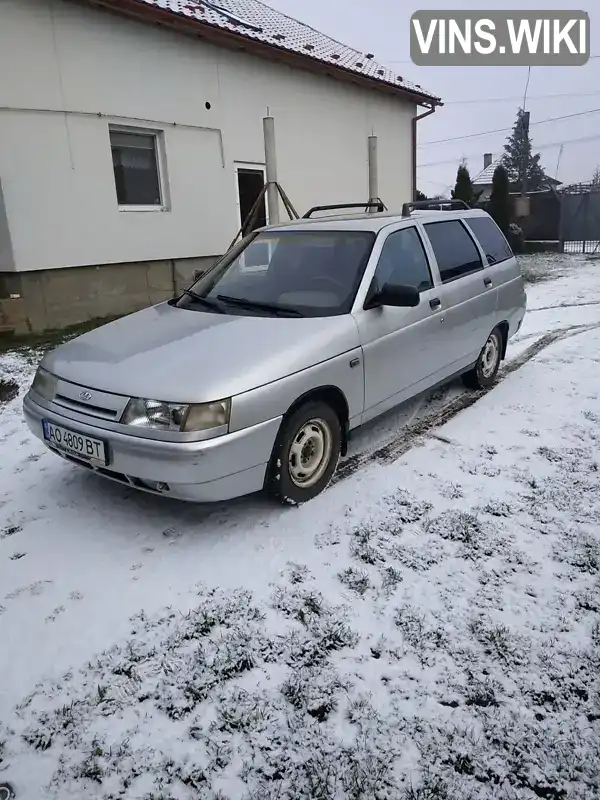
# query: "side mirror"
399,296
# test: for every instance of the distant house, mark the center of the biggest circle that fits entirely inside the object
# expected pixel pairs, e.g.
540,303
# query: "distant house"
133,147
483,181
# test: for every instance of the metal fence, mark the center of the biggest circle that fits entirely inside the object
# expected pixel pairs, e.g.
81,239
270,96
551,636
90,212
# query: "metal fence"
580,219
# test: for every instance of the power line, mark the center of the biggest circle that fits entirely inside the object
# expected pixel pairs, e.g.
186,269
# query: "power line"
409,61
526,88
503,130
514,99
547,146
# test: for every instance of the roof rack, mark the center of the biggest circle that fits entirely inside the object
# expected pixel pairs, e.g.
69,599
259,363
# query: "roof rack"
379,205
440,205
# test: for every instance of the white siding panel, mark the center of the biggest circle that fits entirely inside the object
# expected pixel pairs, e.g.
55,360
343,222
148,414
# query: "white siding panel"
56,169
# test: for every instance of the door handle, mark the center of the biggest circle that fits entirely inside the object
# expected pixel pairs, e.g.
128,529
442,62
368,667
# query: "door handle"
435,303
487,282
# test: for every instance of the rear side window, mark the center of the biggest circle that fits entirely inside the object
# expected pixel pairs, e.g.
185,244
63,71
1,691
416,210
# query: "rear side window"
492,242
403,261
455,250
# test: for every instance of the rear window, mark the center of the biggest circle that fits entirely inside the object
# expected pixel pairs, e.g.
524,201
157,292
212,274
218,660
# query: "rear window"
490,237
454,248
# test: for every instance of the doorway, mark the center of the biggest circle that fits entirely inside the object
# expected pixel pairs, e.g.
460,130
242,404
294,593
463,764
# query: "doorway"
250,182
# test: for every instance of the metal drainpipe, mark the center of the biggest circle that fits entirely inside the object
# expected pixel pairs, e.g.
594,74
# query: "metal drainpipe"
414,148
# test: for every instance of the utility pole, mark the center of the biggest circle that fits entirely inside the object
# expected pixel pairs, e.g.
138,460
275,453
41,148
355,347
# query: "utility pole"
525,124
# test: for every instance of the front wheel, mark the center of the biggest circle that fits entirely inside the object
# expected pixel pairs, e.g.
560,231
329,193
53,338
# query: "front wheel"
483,374
306,454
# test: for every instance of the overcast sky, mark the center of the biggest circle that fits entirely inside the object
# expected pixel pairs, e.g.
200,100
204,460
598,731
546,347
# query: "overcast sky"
493,94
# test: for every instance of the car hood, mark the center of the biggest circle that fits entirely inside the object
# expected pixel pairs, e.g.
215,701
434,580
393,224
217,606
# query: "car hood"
181,355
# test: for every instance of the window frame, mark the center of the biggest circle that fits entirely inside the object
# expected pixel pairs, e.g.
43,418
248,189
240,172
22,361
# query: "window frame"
473,239
489,219
395,232
161,169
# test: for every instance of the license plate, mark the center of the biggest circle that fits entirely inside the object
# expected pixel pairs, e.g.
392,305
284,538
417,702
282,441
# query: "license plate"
75,444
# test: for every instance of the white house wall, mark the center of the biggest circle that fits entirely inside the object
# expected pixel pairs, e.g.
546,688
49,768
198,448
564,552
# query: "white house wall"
56,168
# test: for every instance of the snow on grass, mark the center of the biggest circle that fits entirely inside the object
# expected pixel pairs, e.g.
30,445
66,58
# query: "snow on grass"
423,630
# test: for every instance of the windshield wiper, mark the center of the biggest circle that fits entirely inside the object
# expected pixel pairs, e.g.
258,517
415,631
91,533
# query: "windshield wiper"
243,302
204,300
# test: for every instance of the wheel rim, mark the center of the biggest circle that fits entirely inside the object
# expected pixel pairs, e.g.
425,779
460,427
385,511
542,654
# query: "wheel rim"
489,357
310,453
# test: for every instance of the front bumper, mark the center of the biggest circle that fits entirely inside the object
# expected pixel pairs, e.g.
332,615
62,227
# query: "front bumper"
207,471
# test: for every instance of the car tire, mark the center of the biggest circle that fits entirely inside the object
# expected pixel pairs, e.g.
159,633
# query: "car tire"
483,375
305,455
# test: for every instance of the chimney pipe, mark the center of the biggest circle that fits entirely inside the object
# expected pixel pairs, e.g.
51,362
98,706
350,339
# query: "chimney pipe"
271,169
373,177
487,160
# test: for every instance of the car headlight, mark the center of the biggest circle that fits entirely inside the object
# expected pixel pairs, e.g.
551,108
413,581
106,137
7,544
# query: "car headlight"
44,384
187,418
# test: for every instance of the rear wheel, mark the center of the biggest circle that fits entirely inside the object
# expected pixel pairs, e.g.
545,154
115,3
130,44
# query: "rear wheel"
306,453
483,374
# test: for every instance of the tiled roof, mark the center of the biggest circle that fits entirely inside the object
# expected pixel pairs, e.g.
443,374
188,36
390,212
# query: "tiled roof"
486,175
254,20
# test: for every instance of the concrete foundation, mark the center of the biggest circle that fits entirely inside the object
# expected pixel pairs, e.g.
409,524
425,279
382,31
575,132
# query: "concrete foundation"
33,302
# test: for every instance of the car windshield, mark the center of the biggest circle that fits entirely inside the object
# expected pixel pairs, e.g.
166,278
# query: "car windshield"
285,273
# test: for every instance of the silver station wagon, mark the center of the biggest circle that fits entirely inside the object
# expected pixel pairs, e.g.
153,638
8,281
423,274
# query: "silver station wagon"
256,375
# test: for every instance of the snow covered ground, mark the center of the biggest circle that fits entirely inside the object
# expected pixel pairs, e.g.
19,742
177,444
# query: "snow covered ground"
427,628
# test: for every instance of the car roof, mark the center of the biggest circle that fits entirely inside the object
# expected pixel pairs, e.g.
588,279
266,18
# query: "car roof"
372,222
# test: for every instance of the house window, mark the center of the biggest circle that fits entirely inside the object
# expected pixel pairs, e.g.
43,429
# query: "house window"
135,156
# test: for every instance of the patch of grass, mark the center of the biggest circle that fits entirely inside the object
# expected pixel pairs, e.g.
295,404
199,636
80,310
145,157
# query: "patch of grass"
588,599
482,692
8,390
313,646
404,509
298,573
417,634
299,604
240,711
391,578
500,642
355,579
365,546
10,530
498,508
49,339
581,551
431,787
313,690
464,528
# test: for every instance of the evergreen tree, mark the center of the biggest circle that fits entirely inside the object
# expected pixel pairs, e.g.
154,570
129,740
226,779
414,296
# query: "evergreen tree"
463,190
518,159
499,205
421,195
